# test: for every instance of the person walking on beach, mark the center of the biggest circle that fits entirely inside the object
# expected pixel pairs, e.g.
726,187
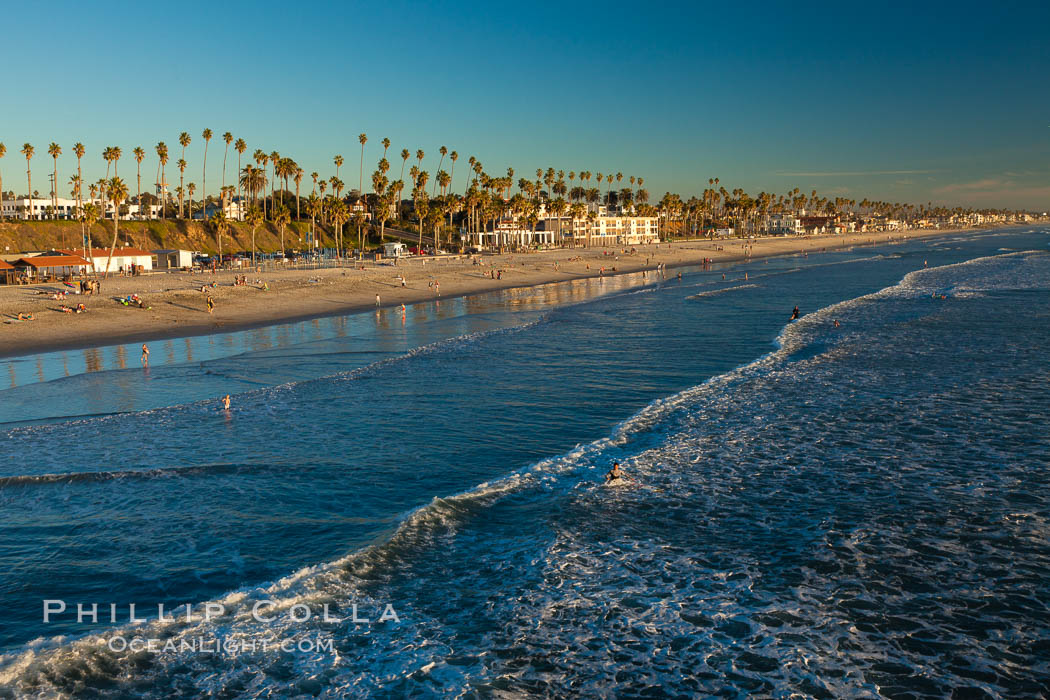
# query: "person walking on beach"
145,355
211,304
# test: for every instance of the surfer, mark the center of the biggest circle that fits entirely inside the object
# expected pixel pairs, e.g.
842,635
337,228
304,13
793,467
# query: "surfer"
794,314
614,475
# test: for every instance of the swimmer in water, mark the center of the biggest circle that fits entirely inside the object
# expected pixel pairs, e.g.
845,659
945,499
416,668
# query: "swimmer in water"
614,475
226,402
794,314
836,323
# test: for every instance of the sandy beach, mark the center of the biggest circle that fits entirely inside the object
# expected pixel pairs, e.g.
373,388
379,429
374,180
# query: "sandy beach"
177,306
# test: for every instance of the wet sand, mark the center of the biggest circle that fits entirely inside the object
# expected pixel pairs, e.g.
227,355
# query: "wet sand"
178,307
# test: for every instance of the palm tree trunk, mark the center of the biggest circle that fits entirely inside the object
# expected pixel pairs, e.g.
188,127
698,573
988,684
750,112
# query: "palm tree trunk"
113,246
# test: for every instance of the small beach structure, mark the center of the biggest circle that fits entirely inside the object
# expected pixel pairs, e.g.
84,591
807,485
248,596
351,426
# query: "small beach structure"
46,268
173,259
8,273
393,250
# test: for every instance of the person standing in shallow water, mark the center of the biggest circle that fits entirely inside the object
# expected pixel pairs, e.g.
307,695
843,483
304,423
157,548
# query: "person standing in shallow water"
145,355
226,402
614,475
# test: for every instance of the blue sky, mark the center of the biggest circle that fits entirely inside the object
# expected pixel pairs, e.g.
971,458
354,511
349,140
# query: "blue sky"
903,102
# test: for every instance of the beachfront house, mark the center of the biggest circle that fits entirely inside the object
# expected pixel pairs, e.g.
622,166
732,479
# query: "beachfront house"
510,232
173,259
815,225
126,260
783,224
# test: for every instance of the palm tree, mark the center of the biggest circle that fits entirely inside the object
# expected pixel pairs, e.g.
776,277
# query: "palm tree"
441,161
275,158
338,160
115,154
363,139
3,152
228,138
162,184
322,186
298,179
206,135
340,214
313,208
182,172
255,219
88,217
221,224
240,146
261,158
190,188
78,151
252,181
386,145
28,151
139,155
118,192
184,140
54,150
282,217
404,159
359,221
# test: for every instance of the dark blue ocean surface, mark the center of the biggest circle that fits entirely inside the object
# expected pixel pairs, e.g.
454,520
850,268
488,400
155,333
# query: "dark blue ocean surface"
859,510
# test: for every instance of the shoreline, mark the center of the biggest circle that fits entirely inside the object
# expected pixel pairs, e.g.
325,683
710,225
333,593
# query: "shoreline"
177,306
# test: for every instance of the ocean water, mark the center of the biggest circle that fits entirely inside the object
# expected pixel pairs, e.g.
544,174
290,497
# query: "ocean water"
812,511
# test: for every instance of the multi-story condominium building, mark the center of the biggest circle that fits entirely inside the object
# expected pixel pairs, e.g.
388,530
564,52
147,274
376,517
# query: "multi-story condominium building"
40,208
37,208
614,230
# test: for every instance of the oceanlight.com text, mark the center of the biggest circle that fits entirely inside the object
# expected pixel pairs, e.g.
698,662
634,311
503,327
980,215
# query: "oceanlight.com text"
212,645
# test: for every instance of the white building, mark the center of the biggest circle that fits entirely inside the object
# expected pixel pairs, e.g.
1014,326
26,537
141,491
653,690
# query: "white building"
124,259
393,250
40,208
615,230
510,233
783,225
37,208
173,259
